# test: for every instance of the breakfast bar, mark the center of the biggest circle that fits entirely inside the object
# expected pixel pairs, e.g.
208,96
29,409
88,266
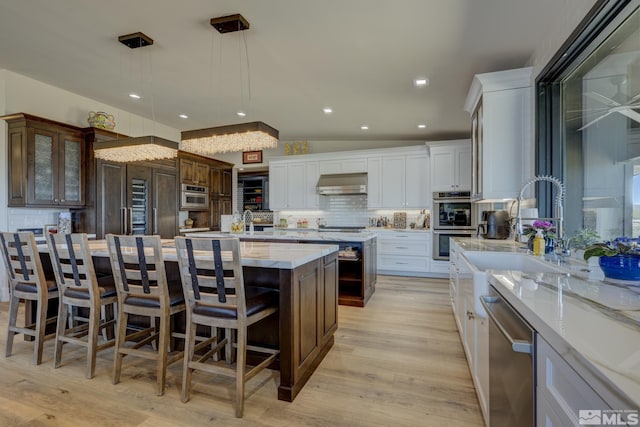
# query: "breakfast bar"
307,278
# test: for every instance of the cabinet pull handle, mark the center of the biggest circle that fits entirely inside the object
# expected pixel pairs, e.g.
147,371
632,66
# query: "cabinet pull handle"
155,220
123,217
402,247
130,221
402,263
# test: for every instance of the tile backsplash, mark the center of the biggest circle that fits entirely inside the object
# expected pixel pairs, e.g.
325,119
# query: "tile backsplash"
29,217
345,210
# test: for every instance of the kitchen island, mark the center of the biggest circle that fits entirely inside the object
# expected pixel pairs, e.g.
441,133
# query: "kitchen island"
357,257
588,332
307,278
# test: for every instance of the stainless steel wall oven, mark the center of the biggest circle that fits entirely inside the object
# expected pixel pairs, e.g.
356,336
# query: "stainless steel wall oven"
454,216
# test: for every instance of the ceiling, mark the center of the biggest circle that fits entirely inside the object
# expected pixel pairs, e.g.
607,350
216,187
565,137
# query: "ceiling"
359,57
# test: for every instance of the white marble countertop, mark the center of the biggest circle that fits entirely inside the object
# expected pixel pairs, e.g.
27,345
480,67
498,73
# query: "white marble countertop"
593,324
310,235
254,254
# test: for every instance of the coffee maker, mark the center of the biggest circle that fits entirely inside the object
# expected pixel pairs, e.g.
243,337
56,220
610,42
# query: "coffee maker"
494,225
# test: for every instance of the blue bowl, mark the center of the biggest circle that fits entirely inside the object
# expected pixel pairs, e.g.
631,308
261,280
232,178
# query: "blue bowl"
621,267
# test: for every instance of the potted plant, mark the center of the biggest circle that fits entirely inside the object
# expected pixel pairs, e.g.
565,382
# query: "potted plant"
619,259
548,231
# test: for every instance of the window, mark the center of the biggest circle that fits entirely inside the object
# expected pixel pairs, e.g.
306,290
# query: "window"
588,122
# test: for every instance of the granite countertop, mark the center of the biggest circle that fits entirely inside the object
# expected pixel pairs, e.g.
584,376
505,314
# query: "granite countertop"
254,254
594,324
298,235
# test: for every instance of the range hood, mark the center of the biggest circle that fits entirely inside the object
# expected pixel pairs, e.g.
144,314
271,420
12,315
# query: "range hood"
342,183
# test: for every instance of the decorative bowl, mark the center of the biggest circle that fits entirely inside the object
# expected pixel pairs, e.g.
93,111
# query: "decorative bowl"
621,266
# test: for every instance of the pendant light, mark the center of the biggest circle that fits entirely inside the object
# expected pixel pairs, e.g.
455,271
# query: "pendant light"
140,148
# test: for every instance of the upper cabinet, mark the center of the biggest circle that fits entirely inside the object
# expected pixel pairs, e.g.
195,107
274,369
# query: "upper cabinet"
404,181
45,163
450,165
194,172
500,108
342,166
221,181
288,185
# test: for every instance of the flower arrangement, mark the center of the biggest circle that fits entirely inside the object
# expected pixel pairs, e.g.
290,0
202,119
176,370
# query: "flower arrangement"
548,230
619,246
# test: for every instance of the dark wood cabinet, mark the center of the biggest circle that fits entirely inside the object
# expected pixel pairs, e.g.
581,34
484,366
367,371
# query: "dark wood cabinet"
137,198
45,166
219,206
194,172
221,182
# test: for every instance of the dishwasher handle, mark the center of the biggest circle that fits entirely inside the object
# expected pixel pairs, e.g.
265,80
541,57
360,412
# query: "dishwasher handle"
518,346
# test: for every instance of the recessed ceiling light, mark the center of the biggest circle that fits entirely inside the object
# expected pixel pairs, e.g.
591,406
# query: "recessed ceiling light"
422,126
364,127
241,113
421,81
327,110
184,116
134,96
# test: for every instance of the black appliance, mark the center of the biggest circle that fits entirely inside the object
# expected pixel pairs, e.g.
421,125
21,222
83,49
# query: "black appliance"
495,225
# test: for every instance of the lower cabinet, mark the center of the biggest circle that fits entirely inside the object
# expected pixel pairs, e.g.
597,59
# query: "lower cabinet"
219,206
560,392
404,253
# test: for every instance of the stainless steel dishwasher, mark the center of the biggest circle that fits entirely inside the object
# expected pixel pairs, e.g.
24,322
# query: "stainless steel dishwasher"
511,364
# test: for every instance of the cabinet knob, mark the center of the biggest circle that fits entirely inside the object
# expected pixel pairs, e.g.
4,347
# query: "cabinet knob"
61,200
55,200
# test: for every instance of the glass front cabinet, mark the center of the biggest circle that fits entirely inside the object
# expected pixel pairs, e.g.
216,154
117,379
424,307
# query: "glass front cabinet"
45,163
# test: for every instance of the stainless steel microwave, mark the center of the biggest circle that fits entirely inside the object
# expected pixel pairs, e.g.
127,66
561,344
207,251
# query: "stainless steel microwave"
194,197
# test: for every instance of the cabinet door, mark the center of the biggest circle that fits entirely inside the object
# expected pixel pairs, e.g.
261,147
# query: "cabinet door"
70,176
216,182
416,185
393,178
374,182
442,169
227,185
165,203
463,169
278,187
354,166
42,177
329,308
202,176
330,166
312,197
111,198
17,166
187,171
296,186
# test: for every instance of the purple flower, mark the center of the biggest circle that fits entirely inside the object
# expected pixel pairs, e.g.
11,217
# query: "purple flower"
545,225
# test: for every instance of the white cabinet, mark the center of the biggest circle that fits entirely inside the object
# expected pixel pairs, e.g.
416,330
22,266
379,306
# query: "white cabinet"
312,197
287,186
343,166
500,108
450,166
374,184
404,181
403,253
562,392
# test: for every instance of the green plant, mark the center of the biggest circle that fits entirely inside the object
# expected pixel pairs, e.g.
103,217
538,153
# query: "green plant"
584,238
619,246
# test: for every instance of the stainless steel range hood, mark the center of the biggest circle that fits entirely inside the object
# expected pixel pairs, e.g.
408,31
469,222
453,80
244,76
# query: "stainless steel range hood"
342,183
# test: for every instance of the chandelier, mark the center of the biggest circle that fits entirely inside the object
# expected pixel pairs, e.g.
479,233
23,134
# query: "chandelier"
223,139
140,148
135,149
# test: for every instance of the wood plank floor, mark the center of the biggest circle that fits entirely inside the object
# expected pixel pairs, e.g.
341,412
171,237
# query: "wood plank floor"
397,362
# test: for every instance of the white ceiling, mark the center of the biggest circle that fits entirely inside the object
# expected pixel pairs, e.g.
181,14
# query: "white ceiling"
359,57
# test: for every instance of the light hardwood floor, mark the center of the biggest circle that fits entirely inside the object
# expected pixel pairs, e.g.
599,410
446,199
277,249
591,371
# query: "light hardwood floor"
397,362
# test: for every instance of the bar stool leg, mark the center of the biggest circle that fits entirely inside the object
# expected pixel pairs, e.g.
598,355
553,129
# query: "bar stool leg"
41,323
121,337
13,318
241,352
189,351
63,310
92,338
162,354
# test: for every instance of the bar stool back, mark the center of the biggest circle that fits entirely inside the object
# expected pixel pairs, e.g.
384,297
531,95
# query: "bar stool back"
79,287
26,282
213,284
141,282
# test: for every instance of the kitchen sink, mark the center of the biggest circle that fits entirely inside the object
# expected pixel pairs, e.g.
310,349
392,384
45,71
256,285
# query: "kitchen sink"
510,261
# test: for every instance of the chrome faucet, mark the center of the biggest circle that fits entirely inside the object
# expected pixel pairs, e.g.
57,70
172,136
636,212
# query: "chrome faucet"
561,247
244,221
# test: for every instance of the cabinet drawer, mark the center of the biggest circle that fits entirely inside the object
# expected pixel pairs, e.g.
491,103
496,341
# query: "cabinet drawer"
563,389
402,236
403,247
403,263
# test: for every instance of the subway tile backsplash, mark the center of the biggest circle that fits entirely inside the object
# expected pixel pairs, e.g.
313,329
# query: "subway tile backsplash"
345,210
30,217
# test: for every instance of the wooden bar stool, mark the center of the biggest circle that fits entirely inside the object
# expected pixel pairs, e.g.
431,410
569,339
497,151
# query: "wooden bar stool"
141,283
213,284
79,287
27,282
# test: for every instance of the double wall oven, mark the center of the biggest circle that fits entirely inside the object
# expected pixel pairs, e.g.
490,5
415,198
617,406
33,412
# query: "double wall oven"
454,216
